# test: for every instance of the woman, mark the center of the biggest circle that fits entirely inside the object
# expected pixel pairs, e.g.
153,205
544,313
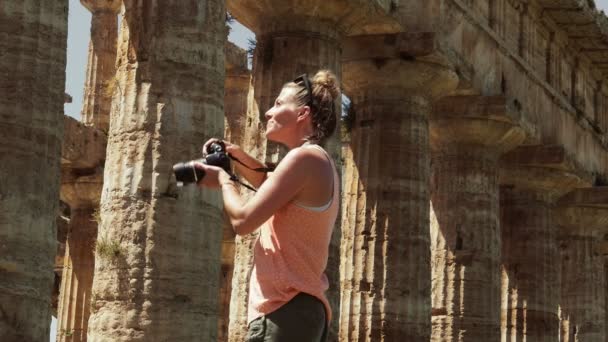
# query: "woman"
295,209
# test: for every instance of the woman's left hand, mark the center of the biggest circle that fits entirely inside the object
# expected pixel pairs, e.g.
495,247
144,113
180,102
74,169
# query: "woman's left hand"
214,176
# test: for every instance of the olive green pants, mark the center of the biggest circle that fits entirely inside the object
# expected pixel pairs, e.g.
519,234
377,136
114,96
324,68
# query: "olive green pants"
302,319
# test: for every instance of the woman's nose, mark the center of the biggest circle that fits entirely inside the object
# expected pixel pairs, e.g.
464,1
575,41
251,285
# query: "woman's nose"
267,114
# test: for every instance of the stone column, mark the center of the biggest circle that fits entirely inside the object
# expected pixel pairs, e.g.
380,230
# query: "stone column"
582,216
101,68
63,222
386,275
82,194
468,135
32,62
83,154
293,37
237,82
532,178
160,278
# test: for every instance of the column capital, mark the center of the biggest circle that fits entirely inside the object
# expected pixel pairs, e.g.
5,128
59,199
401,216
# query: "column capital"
405,45
83,191
235,59
350,16
95,6
83,147
545,168
583,212
396,65
481,121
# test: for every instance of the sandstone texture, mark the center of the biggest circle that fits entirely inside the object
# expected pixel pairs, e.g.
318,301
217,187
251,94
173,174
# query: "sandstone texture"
160,280
83,156
237,84
385,223
582,216
32,64
101,68
468,135
532,178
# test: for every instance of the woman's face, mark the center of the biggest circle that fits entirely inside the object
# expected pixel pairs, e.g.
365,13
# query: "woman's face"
282,117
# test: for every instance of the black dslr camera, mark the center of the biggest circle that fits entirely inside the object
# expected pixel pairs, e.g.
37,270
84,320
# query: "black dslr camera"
186,173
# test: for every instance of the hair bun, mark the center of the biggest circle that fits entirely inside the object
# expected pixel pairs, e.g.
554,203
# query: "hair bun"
328,81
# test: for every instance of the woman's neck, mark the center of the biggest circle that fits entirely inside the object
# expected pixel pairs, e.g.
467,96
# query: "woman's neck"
296,143
296,139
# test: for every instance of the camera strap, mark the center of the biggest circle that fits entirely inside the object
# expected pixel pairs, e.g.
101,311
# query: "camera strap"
259,169
234,178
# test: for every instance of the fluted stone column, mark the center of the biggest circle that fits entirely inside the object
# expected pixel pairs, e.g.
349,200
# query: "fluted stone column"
82,194
532,178
83,154
101,68
386,275
468,135
82,158
582,216
293,37
32,65
63,222
237,84
160,281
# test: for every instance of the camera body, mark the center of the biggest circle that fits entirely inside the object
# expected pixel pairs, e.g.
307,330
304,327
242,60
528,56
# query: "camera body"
186,173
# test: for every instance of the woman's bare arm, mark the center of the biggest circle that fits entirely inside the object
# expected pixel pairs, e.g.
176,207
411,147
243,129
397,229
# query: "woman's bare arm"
255,178
290,176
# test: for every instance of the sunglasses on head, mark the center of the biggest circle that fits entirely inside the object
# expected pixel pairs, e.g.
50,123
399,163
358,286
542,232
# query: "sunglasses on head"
304,79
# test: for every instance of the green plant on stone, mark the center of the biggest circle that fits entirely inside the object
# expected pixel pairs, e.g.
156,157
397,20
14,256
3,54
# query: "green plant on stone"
93,301
67,333
108,249
96,216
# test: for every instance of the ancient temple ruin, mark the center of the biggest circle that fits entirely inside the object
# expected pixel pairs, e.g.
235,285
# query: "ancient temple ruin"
473,156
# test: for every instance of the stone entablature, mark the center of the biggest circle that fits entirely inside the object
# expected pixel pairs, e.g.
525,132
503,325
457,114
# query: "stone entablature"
546,58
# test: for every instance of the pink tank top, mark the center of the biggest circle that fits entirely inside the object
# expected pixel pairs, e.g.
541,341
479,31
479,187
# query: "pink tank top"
290,256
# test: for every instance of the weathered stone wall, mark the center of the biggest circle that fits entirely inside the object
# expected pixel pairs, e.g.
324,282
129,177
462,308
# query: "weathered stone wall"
33,37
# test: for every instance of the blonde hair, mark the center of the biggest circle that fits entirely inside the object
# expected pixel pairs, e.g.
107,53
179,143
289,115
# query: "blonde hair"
325,90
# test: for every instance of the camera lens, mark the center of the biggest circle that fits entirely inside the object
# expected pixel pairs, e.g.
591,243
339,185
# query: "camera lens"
186,173
216,147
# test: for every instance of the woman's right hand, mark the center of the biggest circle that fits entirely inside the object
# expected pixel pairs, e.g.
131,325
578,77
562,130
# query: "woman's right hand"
232,149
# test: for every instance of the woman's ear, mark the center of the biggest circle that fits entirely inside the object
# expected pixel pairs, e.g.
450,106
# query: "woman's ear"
305,113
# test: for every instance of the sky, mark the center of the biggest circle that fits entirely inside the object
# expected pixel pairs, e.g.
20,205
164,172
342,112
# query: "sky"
79,24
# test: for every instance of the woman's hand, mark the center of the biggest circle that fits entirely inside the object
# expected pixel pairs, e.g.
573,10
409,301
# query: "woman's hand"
232,149
214,176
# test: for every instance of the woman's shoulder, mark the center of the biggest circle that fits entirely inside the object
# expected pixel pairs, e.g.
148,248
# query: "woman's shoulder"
309,154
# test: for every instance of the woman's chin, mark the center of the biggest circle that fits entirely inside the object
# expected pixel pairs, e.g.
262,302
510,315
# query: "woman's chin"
269,134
